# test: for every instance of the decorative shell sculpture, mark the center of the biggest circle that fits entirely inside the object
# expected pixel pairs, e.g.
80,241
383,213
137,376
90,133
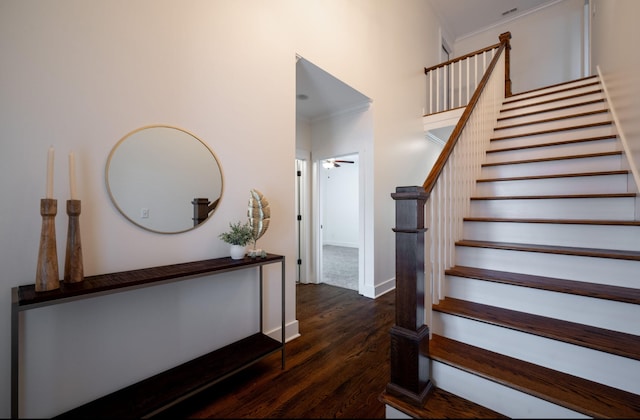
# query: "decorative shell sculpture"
259,215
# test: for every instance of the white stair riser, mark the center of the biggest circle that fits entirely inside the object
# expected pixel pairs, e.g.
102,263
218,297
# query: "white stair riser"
615,272
594,365
568,185
497,397
537,139
612,208
595,94
393,413
519,101
552,125
595,146
563,166
616,316
576,109
573,235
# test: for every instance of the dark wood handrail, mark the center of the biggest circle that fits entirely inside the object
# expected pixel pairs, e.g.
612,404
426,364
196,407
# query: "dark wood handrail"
440,163
455,60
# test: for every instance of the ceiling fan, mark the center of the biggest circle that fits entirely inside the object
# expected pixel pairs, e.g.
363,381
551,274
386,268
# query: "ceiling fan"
334,163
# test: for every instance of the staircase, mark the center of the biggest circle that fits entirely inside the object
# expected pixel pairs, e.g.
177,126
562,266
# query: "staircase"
542,310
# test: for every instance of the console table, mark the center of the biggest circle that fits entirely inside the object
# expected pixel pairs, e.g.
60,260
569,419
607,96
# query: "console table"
159,392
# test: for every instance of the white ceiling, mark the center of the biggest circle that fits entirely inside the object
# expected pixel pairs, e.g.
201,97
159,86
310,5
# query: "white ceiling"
327,95
465,17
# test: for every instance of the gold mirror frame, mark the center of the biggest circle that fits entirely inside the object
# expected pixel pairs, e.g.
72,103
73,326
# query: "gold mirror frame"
164,179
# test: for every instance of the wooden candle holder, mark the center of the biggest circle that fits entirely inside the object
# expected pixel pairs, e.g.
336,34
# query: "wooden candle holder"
47,274
73,266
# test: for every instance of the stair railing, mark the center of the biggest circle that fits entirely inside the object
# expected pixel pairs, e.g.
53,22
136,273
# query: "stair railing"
451,84
422,254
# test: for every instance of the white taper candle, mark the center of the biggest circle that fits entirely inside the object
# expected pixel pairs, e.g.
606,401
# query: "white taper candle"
72,176
50,173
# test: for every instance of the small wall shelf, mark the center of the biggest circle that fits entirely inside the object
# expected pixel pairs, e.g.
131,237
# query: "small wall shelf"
159,392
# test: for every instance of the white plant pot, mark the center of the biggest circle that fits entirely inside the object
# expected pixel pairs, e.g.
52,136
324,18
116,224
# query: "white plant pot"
237,252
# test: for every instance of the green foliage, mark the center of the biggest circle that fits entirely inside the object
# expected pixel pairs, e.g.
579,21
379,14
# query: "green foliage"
240,234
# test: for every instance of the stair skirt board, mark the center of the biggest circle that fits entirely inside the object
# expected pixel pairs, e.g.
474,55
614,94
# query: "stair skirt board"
602,313
566,149
614,272
621,237
495,396
594,365
612,208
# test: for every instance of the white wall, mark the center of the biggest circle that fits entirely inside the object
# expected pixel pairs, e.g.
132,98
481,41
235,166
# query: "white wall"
615,37
303,137
80,75
340,195
546,45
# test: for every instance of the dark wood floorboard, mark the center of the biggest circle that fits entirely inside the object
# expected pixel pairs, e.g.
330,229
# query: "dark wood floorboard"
337,368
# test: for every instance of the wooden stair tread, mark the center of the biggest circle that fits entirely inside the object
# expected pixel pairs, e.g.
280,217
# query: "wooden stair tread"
599,291
554,158
558,108
553,249
609,341
556,221
546,120
545,176
553,130
552,196
549,101
588,397
441,404
554,143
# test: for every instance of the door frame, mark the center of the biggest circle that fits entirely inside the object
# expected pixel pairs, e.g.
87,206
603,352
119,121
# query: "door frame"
302,212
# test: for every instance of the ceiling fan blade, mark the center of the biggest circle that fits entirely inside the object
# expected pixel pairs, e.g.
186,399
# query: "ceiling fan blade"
344,161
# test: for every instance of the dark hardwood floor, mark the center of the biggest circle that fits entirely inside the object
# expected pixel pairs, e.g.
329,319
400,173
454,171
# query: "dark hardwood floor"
337,368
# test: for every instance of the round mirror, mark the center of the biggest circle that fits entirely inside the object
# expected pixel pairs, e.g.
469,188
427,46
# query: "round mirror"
164,179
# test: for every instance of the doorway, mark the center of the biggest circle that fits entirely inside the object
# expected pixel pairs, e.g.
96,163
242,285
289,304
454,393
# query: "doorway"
339,221
333,121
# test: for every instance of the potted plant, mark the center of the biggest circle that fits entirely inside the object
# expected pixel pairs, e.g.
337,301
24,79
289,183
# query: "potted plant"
239,236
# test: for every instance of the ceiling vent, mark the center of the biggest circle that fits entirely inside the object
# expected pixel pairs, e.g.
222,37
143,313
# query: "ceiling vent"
509,11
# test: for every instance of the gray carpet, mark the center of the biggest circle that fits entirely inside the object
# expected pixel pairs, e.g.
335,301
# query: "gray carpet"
340,266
